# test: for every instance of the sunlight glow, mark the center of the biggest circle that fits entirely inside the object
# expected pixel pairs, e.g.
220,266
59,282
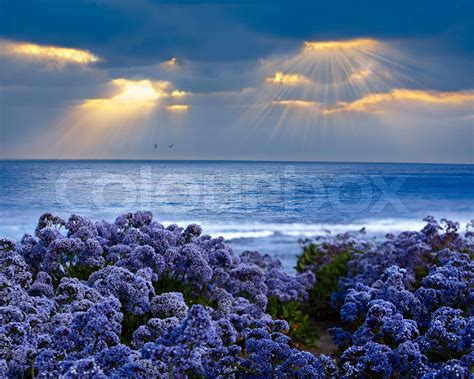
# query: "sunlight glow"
125,116
177,93
360,75
54,53
141,91
137,93
295,103
177,108
359,43
326,82
287,79
373,102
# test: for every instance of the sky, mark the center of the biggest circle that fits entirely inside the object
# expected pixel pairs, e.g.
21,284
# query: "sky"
369,81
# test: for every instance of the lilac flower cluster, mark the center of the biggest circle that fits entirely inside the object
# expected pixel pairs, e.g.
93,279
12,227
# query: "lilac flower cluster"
83,299
279,284
135,299
407,306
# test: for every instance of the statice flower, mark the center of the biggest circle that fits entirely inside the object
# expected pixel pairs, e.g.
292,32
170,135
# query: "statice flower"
451,370
266,350
183,348
391,287
85,368
154,328
280,284
144,257
383,324
445,337
409,361
448,285
136,299
169,304
98,327
306,365
134,220
371,359
47,364
191,265
71,291
7,245
356,303
112,359
342,338
133,290
118,252
42,286
247,279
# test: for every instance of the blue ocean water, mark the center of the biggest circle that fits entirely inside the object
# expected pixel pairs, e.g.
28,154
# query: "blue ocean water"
265,206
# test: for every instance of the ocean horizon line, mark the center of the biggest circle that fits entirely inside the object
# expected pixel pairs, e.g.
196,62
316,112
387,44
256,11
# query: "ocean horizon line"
231,161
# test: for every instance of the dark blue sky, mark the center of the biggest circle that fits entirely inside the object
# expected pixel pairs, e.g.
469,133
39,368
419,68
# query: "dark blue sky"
151,30
225,50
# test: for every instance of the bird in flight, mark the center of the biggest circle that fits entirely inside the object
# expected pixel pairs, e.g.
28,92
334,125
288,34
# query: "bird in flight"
171,146
156,146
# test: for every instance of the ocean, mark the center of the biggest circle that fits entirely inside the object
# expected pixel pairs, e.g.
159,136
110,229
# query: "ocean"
264,206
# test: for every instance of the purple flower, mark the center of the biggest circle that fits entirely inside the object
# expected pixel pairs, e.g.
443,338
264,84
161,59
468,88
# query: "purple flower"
84,369
133,290
169,304
371,359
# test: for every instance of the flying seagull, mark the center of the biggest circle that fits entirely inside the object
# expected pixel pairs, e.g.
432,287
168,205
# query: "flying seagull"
171,146
156,146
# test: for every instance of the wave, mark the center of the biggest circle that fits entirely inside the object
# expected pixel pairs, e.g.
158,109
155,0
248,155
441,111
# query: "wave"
234,231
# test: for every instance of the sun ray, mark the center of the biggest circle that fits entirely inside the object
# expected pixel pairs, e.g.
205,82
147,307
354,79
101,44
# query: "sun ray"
303,90
123,116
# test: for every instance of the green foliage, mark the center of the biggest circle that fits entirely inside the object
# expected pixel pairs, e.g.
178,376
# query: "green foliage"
191,295
302,328
328,264
307,258
129,324
420,272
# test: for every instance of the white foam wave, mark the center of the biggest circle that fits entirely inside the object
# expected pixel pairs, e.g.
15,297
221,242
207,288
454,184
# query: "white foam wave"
235,230
232,231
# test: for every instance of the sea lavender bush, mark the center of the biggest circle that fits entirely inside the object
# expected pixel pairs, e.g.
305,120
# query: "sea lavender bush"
136,299
406,304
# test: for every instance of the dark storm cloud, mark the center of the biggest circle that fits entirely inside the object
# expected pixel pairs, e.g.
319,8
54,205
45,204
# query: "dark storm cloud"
142,31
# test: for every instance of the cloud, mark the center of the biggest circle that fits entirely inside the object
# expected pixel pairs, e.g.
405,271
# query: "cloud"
177,108
55,54
358,43
374,103
138,92
280,78
178,93
275,119
360,75
171,64
296,103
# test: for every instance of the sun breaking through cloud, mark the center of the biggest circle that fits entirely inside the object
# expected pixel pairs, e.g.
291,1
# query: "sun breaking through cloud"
327,83
177,108
373,103
127,114
281,78
295,103
137,93
359,43
49,53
